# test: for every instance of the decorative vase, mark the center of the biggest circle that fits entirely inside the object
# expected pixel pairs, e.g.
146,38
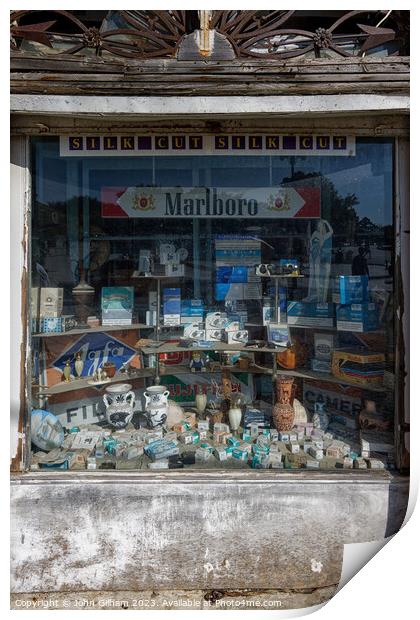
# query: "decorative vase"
83,296
283,412
301,415
235,417
156,397
67,372
320,419
78,365
119,401
201,402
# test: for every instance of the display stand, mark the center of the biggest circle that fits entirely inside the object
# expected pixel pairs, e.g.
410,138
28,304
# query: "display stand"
276,279
158,278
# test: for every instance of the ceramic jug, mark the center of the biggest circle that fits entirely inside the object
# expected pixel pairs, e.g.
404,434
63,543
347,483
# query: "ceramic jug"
119,402
156,398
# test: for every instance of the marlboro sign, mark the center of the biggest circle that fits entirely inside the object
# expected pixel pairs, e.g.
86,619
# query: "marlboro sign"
211,202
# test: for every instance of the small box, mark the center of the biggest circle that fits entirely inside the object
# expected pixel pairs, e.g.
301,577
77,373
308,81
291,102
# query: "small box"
323,366
324,345
159,464
294,447
203,425
214,335
151,317
171,306
317,453
232,441
202,455
310,314
274,434
233,325
195,330
359,463
50,302
216,321
359,367
351,289
312,464
238,337
51,325
241,455
231,275
117,304
278,333
221,454
362,317
152,300
175,269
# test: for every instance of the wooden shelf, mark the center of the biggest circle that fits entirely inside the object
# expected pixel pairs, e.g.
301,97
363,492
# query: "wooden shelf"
177,369
93,330
81,384
218,347
322,376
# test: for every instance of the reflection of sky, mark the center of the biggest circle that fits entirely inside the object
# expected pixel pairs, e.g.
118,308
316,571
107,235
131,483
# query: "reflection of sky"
368,174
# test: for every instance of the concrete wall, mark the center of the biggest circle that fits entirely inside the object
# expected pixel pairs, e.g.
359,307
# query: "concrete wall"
119,532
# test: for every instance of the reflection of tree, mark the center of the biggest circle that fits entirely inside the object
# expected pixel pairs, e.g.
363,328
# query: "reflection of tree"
338,210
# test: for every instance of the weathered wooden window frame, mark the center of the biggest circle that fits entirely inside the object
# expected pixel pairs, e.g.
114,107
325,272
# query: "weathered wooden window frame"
20,332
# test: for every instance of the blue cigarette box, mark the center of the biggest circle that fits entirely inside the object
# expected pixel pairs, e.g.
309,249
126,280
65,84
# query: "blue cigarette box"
171,306
351,290
229,275
358,317
310,314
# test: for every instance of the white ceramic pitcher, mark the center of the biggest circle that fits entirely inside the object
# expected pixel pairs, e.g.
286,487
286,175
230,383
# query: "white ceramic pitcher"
119,402
156,397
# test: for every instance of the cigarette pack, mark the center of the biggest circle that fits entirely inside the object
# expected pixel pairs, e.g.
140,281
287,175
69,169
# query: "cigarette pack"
241,455
50,302
324,345
317,453
216,321
362,317
293,447
274,434
232,441
203,425
160,464
221,454
351,289
202,455
359,463
171,306
310,314
235,337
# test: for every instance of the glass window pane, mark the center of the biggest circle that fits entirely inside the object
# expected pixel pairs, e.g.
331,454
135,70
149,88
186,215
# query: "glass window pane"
253,292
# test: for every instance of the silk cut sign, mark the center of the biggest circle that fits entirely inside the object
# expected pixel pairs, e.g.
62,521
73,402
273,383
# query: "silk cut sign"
209,202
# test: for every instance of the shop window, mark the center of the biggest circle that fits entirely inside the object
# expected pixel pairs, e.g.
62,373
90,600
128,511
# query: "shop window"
205,302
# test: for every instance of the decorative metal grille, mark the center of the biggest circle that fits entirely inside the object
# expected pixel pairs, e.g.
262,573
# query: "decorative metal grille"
253,34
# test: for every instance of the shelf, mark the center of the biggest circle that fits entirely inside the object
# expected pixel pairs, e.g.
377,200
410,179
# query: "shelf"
322,376
81,384
153,276
281,276
93,330
219,347
177,369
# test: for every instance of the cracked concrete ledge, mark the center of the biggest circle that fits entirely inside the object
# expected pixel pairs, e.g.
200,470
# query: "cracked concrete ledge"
176,599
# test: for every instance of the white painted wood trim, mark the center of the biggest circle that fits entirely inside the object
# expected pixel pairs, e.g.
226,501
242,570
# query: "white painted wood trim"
206,106
19,227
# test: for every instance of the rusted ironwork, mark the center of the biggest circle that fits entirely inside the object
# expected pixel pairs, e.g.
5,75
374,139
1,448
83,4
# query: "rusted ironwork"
257,34
275,34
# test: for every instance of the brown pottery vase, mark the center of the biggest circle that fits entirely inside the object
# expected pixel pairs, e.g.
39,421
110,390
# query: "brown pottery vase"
283,412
